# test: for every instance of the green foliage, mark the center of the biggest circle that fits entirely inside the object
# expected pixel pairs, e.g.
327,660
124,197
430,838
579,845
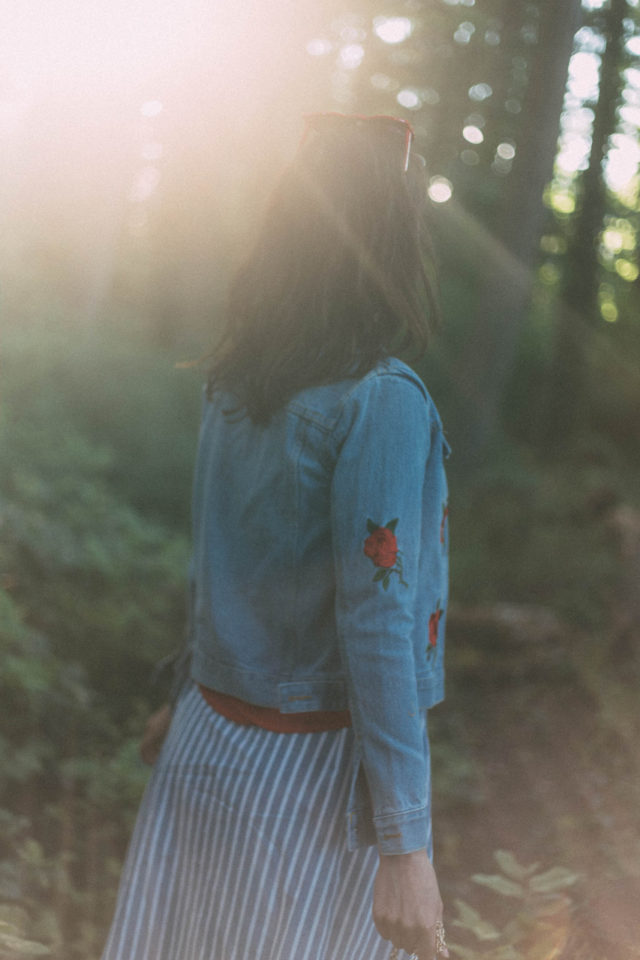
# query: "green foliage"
12,940
533,928
87,571
525,531
49,898
122,410
70,782
91,596
454,770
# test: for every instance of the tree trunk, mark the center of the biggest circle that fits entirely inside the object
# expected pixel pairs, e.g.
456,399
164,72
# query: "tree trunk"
578,313
504,298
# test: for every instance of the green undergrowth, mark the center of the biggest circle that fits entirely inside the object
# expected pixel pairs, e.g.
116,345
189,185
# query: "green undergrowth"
91,596
532,919
526,531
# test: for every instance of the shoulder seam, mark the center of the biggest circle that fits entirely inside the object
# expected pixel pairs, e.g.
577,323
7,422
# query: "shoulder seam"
407,375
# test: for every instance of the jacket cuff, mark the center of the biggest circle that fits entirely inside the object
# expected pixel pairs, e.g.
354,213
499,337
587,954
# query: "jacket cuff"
403,832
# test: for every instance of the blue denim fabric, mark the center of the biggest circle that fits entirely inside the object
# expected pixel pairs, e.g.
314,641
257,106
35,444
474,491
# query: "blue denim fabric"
287,611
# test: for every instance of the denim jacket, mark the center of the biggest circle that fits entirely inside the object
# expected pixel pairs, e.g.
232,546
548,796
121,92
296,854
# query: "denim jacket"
319,576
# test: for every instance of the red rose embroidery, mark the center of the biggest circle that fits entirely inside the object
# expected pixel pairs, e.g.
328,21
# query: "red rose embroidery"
434,620
381,546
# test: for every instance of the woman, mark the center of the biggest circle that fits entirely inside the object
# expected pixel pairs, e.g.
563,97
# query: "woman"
291,796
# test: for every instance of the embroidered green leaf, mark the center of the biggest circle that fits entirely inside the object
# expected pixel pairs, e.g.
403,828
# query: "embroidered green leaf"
380,574
386,581
371,526
392,524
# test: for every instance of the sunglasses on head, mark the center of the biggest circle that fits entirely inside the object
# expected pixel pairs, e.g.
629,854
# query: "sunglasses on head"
394,126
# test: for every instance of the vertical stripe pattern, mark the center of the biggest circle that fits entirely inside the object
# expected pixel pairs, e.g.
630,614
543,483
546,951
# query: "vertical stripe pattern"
239,850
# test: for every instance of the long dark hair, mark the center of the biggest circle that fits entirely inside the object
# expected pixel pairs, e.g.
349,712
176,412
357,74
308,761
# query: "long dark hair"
338,278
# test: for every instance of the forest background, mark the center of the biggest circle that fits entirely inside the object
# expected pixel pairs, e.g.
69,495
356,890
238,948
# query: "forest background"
139,142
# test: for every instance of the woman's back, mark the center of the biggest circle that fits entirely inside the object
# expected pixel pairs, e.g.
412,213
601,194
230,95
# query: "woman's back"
281,514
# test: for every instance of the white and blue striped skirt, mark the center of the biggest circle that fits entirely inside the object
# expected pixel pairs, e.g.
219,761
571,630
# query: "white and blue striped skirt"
239,851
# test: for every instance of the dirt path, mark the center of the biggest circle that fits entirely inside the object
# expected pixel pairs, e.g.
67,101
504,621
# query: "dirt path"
555,742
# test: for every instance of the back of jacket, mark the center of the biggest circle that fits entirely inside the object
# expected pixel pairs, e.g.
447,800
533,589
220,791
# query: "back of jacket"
320,575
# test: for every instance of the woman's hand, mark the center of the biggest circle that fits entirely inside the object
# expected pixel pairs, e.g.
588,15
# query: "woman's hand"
154,734
407,904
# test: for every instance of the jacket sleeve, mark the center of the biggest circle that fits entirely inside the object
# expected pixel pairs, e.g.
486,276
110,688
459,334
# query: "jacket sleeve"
382,447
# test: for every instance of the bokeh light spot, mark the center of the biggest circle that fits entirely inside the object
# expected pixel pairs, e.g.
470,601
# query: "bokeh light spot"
464,32
589,40
506,151
472,134
480,91
392,29
470,158
351,56
561,201
607,302
609,311
622,161
627,270
549,274
631,115
613,240
584,75
318,47
409,99
501,166
382,82
632,76
550,243
578,120
574,153
440,189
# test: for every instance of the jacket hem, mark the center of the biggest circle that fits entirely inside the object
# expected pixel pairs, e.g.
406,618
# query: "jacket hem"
292,696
